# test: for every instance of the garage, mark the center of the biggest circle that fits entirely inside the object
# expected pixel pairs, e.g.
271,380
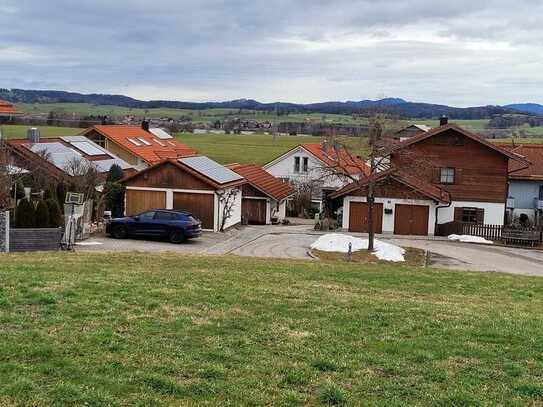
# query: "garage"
139,201
358,217
254,211
200,205
411,220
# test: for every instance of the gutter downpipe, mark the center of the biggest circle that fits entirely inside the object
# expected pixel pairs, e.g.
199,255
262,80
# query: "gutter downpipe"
437,209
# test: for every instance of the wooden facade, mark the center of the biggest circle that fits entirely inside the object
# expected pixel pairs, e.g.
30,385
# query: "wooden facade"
480,173
169,175
254,211
200,205
139,201
411,219
358,217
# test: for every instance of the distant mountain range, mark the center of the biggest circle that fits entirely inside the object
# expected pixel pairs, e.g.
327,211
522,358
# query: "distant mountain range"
395,106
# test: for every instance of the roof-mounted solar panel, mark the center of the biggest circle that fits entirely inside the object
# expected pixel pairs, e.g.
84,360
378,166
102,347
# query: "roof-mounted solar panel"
211,169
88,148
160,133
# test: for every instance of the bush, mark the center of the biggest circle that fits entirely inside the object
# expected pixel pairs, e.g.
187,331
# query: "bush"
42,214
25,215
55,214
332,395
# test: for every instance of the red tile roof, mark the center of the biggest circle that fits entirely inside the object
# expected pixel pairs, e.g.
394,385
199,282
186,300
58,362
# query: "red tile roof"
263,181
533,153
7,108
425,188
155,151
337,157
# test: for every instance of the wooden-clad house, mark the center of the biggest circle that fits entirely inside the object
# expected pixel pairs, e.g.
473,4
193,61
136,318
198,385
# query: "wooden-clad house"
199,185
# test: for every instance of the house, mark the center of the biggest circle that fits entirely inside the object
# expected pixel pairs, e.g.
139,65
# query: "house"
264,196
197,184
526,183
311,163
140,146
63,157
410,131
7,110
460,177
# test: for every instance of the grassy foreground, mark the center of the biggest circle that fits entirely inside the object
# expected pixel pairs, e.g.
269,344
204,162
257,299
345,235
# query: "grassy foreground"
140,329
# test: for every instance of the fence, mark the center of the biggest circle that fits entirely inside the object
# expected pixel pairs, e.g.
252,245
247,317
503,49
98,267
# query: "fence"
489,232
4,232
28,240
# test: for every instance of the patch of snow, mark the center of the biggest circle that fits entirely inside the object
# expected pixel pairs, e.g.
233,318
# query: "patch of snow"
336,242
88,243
469,239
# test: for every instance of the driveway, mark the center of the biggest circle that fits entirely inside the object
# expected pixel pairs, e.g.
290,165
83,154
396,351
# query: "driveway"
294,241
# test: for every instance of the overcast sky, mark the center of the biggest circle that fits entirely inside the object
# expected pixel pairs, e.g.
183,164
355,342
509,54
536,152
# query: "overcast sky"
458,52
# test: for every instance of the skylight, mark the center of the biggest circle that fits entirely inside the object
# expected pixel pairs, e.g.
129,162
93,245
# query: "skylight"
160,143
144,141
134,141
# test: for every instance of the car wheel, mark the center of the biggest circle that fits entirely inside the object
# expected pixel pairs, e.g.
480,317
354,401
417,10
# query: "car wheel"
177,236
119,232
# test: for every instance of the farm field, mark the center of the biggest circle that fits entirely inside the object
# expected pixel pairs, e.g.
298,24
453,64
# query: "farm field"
257,149
136,329
19,131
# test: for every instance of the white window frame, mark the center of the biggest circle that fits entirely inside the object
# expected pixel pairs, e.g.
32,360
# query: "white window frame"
447,175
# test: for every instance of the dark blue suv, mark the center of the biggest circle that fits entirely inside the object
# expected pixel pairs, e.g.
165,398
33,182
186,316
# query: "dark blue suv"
176,226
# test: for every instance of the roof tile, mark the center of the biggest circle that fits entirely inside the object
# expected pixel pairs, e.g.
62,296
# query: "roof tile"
263,181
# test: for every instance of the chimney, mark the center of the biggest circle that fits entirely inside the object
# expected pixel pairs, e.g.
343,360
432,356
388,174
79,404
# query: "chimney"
33,135
443,121
145,125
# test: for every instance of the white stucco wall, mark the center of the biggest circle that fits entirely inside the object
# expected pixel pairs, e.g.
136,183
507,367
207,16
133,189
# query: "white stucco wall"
494,212
284,168
529,212
282,210
388,220
235,218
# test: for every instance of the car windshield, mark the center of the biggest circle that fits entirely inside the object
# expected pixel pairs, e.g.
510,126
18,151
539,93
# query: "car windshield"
146,215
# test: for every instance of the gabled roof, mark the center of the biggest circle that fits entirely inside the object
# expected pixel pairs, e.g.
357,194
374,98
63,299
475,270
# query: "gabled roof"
421,127
475,137
142,143
330,156
7,108
415,183
208,171
58,154
533,153
263,181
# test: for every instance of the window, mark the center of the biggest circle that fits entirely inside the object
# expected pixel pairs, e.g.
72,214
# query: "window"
296,164
166,216
305,164
134,141
447,176
147,215
469,215
541,192
144,141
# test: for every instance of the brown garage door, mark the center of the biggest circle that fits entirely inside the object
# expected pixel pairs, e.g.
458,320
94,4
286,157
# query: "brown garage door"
254,210
200,205
358,217
139,201
411,220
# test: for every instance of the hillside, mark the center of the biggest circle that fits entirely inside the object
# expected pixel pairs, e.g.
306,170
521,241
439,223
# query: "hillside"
395,106
534,108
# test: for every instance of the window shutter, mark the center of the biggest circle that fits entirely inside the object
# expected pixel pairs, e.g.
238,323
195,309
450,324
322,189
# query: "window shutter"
480,216
458,176
458,214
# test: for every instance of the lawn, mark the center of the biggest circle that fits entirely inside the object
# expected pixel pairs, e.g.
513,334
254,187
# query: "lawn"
19,131
139,329
256,148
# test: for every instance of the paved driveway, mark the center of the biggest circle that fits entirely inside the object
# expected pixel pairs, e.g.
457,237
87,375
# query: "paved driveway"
294,242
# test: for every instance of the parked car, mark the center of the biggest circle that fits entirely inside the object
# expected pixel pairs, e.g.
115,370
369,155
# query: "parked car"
176,226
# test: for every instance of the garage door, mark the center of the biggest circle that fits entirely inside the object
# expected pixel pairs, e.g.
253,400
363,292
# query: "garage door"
139,201
254,211
358,217
200,205
411,220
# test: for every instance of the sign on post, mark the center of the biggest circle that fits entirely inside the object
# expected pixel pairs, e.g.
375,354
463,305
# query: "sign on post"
75,198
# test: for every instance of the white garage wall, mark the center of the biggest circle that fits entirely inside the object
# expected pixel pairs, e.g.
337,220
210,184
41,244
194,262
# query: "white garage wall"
235,218
494,212
388,220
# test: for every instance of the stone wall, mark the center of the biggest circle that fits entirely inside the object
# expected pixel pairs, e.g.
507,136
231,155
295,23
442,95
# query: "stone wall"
4,232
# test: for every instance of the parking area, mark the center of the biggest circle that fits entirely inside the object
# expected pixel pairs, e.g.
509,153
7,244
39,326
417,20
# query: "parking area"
294,242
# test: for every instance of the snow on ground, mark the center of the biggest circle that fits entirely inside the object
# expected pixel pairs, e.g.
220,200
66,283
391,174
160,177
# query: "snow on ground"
469,239
336,242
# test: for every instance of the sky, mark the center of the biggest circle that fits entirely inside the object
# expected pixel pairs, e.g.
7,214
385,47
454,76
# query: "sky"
460,52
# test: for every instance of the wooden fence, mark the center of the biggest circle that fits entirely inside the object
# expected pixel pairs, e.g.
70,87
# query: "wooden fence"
489,232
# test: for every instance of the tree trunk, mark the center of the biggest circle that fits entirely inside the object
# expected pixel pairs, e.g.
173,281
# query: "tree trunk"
371,234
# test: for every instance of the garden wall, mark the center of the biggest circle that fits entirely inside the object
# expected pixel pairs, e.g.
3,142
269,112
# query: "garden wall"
28,240
4,232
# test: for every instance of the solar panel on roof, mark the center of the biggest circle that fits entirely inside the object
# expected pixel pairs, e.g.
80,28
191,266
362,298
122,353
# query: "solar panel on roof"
211,169
105,165
62,157
71,139
161,134
88,148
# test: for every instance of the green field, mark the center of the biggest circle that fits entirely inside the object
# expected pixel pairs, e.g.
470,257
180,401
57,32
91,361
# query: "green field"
145,330
257,149
19,131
